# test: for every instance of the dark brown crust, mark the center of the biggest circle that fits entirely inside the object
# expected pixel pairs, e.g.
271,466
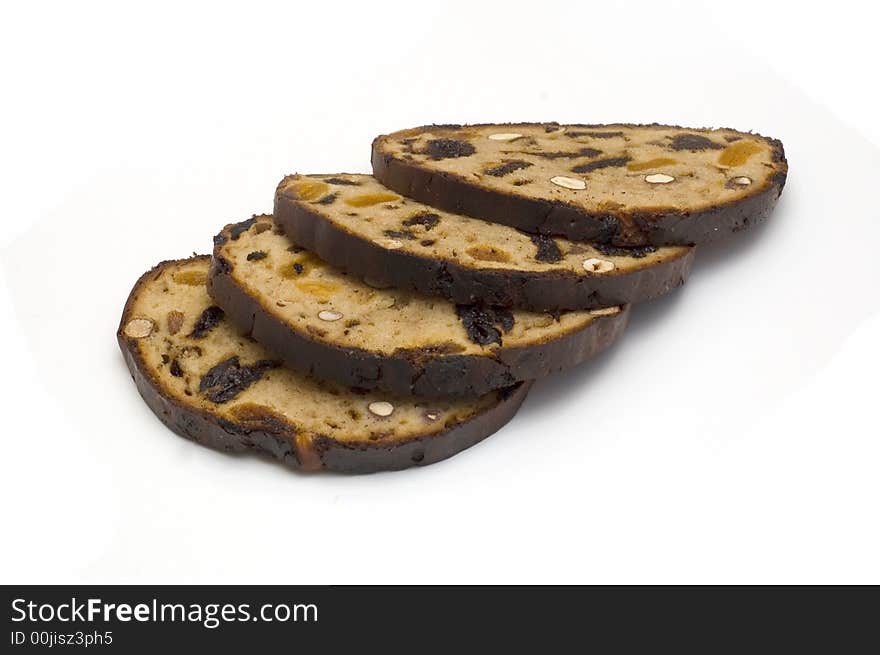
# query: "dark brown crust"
411,372
537,291
666,228
218,433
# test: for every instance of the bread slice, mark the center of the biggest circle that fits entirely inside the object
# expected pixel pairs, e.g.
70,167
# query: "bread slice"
209,383
337,327
362,227
628,185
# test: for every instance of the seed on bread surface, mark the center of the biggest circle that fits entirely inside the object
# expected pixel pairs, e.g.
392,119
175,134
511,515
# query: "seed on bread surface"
606,311
138,328
381,408
505,136
568,182
659,178
596,265
391,244
329,315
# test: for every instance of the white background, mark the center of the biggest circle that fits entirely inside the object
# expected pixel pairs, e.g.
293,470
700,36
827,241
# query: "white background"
730,436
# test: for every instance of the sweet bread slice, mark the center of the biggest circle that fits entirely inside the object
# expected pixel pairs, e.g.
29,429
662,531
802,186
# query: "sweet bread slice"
628,185
208,382
364,228
337,327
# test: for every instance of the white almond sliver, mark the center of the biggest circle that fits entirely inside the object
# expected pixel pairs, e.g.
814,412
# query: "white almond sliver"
138,328
594,265
381,408
569,182
504,136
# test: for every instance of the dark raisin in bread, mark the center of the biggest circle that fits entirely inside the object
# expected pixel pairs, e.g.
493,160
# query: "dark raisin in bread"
338,327
628,185
209,383
364,228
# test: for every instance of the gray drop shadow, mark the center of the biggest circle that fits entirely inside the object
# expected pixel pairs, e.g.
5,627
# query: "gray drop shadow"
575,382
715,255
709,258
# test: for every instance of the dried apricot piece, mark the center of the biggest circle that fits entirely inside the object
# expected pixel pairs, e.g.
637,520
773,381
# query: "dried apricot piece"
310,189
192,278
738,153
370,199
651,163
488,253
317,288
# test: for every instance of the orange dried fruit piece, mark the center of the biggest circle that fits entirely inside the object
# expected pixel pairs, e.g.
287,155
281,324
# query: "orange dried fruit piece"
651,163
738,153
192,278
310,189
488,253
317,288
370,199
